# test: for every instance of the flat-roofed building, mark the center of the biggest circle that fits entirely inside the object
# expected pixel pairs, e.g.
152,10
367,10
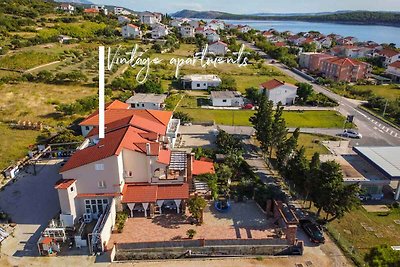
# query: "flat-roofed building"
147,101
226,99
200,81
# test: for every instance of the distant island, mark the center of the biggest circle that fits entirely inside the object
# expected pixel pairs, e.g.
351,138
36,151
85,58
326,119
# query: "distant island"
348,17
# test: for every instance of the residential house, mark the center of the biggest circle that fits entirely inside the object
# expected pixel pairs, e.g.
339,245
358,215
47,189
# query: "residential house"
324,41
159,31
91,11
150,18
194,23
123,20
101,9
226,99
200,81
244,28
388,56
279,91
66,8
213,37
268,34
344,69
118,10
64,39
216,25
394,71
133,168
218,48
147,101
312,60
131,31
200,30
186,30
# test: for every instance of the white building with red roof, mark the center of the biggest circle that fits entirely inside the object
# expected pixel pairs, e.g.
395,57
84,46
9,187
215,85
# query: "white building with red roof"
218,48
394,71
279,91
389,56
134,168
131,31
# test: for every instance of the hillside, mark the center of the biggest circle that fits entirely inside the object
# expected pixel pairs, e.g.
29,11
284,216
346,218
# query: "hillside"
351,17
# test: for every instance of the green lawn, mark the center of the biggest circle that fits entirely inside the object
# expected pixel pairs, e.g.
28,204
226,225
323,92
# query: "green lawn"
313,143
391,92
306,119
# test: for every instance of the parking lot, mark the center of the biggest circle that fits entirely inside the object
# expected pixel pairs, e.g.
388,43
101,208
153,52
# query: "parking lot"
31,201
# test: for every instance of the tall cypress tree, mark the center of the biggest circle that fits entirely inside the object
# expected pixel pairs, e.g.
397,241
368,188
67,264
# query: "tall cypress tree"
279,130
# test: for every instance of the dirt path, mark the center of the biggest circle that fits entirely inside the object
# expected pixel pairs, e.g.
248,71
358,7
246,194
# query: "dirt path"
42,66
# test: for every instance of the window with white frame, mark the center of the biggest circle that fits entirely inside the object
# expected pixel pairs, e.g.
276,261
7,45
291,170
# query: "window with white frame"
95,206
101,184
99,167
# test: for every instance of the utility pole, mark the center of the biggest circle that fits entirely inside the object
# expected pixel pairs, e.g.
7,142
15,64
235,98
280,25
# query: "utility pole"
386,104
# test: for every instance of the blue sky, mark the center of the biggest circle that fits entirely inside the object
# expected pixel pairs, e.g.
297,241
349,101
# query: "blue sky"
255,6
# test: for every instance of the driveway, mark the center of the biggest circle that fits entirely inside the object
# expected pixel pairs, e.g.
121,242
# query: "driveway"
31,201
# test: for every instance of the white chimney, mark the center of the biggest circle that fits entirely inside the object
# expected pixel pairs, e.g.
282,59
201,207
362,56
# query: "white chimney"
148,152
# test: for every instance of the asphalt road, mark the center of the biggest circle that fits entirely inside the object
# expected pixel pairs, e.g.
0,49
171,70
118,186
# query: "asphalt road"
375,131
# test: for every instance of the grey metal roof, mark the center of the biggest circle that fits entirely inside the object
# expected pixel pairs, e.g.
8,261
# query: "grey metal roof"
146,98
385,158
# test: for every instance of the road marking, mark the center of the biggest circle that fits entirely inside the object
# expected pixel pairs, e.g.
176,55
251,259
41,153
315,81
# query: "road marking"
387,130
391,132
381,131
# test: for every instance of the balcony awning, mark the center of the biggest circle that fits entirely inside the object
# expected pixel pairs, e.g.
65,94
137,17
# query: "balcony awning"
148,193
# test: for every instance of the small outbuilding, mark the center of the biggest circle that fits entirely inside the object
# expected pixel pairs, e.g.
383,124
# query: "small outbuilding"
226,99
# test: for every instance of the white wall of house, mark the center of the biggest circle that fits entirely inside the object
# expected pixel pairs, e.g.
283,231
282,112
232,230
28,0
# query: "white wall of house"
90,176
203,85
218,49
67,202
131,32
228,102
146,105
394,72
187,31
213,37
285,94
136,166
159,32
123,19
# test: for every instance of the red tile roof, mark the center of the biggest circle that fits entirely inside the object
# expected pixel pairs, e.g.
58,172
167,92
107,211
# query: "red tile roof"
133,26
219,42
91,10
345,61
164,156
272,84
139,193
203,167
166,192
111,145
64,183
395,64
279,44
388,52
145,193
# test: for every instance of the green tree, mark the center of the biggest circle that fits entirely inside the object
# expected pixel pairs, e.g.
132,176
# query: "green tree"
279,129
383,256
253,95
184,117
304,91
297,169
286,148
196,205
262,121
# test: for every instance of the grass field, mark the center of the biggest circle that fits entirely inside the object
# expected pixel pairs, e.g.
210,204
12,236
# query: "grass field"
26,60
14,144
391,92
306,119
354,237
32,101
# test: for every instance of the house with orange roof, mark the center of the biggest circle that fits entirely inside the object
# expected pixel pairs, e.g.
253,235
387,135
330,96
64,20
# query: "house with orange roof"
312,60
131,31
394,71
134,168
344,69
279,91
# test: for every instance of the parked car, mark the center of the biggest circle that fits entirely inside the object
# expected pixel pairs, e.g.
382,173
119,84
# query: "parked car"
313,230
364,197
351,134
377,196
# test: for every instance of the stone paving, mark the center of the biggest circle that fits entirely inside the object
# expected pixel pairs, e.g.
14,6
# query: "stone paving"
244,220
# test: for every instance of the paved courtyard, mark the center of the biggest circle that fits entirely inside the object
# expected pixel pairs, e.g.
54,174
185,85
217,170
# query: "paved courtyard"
244,220
31,201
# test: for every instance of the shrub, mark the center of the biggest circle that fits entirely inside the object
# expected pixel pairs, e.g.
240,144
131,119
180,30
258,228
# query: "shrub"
120,220
191,233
